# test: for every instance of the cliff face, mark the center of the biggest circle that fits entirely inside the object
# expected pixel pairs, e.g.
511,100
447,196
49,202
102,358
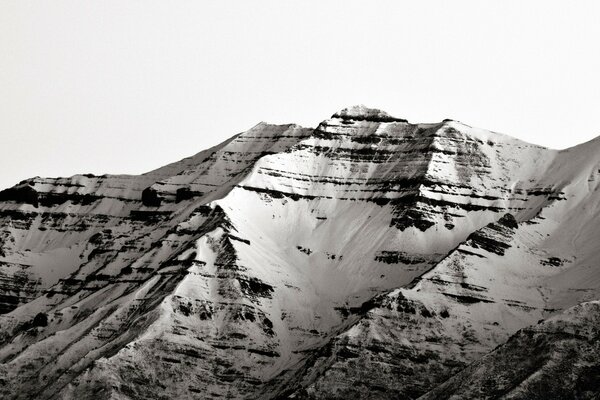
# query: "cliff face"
368,257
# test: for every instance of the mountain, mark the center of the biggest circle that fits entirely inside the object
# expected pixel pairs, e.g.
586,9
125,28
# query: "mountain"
368,257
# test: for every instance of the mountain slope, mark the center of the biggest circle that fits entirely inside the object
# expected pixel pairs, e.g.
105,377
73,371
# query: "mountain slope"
528,364
504,277
293,250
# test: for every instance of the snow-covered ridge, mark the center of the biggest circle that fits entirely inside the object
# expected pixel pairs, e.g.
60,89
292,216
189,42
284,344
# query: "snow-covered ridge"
285,252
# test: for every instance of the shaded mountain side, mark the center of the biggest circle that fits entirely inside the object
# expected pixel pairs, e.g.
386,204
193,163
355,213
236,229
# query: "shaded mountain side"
555,359
366,257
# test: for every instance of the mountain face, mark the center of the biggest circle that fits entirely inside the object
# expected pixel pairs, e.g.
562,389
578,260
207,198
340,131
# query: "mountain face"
368,258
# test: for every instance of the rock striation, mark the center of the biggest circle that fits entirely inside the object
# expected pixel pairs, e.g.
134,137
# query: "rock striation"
368,257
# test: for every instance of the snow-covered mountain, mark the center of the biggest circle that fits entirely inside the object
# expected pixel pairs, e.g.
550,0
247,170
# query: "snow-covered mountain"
367,258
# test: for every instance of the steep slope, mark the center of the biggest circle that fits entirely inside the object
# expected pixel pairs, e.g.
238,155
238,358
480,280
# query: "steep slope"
556,359
289,249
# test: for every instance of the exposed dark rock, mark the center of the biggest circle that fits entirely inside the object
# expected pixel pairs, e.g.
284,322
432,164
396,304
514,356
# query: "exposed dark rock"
552,261
495,237
150,197
467,299
40,319
509,221
233,237
186,194
412,218
52,199
395,257
20,194
254,287
304,250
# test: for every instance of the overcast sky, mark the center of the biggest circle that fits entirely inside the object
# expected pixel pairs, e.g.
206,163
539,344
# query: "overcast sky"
127,86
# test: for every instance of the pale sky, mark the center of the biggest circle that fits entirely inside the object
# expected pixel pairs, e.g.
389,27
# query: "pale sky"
127,86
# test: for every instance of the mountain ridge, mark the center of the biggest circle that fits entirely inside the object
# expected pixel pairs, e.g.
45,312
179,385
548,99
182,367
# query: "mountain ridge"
357,109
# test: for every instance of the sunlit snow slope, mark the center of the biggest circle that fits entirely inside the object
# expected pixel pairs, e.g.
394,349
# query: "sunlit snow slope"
367,258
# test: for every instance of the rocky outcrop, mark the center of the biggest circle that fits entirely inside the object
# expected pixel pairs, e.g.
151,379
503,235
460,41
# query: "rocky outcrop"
367,257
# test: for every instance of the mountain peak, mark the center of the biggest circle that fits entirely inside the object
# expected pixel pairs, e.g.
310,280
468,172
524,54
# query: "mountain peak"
363,113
